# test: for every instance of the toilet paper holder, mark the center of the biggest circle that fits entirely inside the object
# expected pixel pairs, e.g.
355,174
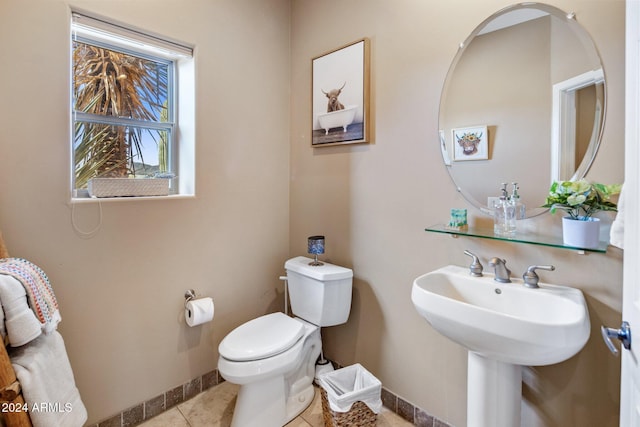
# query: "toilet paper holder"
188,296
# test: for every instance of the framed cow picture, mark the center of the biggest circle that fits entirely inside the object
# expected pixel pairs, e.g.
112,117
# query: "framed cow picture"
471,143
340,96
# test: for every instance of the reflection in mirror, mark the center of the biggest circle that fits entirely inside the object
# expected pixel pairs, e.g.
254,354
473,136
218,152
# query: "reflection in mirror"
531,75
577,110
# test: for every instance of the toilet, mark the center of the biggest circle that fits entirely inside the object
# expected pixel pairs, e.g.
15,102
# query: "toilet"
273,357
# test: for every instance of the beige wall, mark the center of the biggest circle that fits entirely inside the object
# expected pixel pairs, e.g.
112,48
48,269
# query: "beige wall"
373,201
121,291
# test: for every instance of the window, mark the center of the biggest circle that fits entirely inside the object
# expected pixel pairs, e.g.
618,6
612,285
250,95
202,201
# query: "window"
128,89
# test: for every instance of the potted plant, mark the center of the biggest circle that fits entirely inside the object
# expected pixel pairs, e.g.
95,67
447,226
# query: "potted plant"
581,199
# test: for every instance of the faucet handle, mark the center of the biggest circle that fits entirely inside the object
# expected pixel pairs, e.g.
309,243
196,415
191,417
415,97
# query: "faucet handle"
530,276
475,269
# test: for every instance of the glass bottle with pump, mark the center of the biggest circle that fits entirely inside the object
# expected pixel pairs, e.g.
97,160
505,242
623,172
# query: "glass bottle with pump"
504,218
520,209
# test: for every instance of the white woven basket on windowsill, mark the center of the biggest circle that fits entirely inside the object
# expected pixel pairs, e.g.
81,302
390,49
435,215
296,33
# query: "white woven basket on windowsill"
128,187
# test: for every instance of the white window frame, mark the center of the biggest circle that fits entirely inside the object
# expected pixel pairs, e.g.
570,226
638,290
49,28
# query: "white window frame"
108,33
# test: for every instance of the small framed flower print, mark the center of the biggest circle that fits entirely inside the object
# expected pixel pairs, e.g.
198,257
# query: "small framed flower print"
471,143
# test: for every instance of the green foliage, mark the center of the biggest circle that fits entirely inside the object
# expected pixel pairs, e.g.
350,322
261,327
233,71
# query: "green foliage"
581,199
113,84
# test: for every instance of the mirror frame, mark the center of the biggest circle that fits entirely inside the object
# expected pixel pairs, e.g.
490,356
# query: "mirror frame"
558,96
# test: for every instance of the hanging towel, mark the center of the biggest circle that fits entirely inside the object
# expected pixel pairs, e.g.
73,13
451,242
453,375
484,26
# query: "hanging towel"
616,237
39,292
19,323
47,381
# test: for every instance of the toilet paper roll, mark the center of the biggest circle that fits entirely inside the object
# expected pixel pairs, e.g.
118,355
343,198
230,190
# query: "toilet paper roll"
199,311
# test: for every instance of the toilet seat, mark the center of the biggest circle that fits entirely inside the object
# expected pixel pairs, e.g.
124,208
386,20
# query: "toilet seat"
260,338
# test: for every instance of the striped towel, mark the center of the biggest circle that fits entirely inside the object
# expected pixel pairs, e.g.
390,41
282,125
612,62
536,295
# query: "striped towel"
40,294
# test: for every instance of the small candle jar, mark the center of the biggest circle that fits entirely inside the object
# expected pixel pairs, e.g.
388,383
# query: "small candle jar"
315,247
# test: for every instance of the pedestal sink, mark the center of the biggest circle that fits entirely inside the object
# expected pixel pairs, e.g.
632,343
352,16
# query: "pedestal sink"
504,326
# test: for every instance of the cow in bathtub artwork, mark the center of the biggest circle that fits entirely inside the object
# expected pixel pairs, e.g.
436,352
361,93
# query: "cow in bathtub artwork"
337,115
339,95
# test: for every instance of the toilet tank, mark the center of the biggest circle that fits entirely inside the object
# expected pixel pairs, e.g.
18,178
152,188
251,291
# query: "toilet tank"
319,294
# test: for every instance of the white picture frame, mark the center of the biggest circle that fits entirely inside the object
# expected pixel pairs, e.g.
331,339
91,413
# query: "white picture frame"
470,143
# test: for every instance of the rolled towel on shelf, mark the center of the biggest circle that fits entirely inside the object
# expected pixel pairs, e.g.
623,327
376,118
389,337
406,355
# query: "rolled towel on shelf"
616,236
38,290
19,321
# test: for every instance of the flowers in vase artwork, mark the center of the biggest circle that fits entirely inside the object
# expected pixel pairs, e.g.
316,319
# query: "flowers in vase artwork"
581,199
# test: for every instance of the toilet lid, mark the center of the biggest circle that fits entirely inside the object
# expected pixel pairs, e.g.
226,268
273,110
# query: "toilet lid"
260,338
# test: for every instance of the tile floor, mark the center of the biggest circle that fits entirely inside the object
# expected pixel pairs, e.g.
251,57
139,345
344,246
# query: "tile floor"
214,408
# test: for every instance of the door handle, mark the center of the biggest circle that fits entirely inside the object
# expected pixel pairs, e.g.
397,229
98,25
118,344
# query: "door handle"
623,334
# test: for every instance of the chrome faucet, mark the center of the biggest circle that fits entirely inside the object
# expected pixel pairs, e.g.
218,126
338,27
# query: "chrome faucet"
531,278
475,269
503,274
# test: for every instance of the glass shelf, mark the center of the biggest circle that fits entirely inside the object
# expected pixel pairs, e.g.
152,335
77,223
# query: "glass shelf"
520,237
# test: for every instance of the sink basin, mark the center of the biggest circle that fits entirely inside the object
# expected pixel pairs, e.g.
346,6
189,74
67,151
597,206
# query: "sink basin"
507,322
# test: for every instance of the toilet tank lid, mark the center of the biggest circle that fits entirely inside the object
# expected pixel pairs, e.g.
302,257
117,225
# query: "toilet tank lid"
323,272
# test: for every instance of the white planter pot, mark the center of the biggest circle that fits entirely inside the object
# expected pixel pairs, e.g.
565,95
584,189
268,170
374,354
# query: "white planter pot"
581,233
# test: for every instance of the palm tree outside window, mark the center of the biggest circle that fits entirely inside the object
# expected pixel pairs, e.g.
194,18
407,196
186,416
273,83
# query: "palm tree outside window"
123,104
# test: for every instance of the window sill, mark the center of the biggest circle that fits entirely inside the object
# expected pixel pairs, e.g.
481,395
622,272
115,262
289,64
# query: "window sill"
80,200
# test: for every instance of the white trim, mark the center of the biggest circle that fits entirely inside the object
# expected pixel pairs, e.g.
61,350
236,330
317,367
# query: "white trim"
630,380
81,200
121,121
126,36
563,137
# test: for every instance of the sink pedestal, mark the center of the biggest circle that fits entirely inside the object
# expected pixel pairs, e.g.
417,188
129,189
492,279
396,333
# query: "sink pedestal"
494,392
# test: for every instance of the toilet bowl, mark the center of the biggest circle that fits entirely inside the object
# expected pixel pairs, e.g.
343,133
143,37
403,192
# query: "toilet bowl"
273,357
274,388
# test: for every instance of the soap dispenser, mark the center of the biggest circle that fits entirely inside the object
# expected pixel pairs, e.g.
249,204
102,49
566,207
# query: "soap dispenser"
504,221
520,209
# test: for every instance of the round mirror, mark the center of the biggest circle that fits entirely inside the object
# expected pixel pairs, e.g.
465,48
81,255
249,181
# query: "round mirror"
523,103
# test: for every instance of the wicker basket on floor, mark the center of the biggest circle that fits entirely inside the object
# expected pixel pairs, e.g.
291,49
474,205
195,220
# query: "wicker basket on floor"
358,416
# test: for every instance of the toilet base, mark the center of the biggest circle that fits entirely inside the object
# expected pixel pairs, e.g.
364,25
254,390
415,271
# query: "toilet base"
258,406
260,401
299,402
